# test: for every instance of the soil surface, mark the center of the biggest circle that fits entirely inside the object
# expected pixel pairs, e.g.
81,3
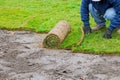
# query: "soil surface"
21,58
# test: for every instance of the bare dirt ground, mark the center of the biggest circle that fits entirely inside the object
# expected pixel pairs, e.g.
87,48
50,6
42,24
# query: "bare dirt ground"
21,58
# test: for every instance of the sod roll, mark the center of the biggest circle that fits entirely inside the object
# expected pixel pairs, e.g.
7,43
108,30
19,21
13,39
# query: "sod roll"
56,36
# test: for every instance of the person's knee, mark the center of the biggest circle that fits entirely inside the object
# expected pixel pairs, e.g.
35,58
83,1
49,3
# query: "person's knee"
110,14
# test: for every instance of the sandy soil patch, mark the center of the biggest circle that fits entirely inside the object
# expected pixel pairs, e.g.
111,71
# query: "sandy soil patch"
21,58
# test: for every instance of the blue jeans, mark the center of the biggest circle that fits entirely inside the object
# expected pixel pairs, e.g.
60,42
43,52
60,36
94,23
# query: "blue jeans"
100,19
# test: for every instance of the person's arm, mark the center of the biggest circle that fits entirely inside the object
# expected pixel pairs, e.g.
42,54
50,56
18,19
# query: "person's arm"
84,11
116,20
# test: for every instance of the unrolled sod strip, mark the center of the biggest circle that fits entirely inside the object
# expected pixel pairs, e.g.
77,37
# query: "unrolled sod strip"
57,35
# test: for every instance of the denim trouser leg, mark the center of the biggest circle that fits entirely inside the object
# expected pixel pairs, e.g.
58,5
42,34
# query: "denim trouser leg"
110,13
100,21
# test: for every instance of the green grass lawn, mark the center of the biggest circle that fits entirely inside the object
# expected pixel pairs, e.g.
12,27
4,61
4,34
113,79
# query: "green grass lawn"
42,16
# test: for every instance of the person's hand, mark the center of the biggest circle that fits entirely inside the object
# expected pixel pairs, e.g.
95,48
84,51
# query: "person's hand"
87,29
108,34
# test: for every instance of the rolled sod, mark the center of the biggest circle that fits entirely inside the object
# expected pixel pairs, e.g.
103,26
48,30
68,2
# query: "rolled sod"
56,36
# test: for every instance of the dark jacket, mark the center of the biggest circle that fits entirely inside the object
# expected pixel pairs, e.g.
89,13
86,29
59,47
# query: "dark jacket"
101,7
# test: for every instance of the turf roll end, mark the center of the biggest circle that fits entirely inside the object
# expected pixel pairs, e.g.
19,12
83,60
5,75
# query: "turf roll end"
56,36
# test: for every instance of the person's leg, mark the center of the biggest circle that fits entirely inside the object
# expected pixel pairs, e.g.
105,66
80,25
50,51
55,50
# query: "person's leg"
100,21
110,14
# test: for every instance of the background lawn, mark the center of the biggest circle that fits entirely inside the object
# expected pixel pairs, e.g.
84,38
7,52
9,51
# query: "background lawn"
42,16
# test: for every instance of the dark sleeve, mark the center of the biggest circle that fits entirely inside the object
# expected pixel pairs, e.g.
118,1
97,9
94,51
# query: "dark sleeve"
116,20
84,11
